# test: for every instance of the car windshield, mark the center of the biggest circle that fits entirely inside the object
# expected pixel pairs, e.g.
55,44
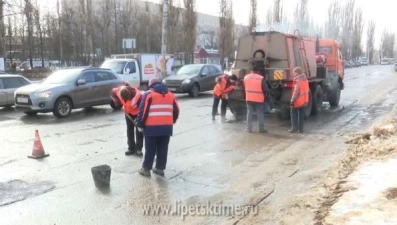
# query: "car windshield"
62,77
189,70
116,66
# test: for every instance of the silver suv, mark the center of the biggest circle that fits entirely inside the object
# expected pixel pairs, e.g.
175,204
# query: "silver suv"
68,89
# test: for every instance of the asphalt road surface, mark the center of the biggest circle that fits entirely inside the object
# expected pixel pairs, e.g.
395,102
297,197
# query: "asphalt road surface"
208,161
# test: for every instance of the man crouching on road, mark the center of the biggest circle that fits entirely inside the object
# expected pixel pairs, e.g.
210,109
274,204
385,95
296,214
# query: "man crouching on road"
130,98
299,100
158,112
224,85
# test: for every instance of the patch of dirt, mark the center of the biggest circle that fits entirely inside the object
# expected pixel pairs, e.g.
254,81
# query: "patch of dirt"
378,143
391,193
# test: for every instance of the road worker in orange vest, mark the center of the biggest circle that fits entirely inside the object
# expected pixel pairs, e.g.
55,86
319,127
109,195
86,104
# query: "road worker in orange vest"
224,85
299,100
255,95
158,112
130,98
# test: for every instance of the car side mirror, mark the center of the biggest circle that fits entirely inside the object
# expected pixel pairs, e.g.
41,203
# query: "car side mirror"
127,71
81,82
204,74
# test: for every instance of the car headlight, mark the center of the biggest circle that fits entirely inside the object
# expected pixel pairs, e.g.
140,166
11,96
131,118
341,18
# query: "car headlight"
45,94
164,81
186,81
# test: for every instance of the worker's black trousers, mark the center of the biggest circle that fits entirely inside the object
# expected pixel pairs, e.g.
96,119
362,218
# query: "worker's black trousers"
297,117
133,145
156,145
216,104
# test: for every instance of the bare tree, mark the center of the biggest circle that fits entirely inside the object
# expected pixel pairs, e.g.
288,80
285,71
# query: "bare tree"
40,33
370,40
347,27
357,33
387,44
269,17
253,16
278,11
174,34
28,11
333,21
225,33
189,26
103,22
302,17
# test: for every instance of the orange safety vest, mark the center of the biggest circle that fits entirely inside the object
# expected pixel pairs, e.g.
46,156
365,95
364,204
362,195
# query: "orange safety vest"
253,88
131,106
161,109
219,89
303,97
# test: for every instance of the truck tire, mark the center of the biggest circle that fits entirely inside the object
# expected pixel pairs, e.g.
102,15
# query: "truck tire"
317,100
334,96
284,114
308,108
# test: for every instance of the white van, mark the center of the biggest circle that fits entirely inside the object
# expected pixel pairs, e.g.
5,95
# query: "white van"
136,69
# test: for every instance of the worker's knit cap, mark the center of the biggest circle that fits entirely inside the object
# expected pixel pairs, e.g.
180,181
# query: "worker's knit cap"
153,80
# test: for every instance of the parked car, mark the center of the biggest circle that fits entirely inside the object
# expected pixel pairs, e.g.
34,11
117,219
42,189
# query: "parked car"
8,84
348,64
357,64
68,89
193,79
395,66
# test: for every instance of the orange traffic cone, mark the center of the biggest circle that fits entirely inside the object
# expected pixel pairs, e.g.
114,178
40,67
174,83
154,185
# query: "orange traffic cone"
38,150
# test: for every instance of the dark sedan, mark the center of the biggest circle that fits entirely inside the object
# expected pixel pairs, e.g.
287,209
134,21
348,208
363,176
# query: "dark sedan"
193,79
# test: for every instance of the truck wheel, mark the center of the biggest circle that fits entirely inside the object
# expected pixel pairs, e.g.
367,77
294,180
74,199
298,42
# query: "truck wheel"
195,91
308,108
334,96
284,114
240,113
317,100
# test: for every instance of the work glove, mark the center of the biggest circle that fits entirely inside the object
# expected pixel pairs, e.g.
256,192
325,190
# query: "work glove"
140,129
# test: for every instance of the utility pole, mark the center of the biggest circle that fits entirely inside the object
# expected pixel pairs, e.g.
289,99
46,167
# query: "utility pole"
164,31
115,27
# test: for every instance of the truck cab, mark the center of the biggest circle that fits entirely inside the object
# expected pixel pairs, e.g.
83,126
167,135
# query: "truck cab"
332,49
127,69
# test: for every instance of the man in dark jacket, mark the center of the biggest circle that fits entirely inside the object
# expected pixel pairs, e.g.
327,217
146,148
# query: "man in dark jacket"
158,112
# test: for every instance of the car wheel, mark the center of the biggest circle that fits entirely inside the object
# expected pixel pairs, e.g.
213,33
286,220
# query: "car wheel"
195,91
62,108
30,113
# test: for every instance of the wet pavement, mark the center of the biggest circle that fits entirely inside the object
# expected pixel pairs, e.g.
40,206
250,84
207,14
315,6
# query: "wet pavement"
207,160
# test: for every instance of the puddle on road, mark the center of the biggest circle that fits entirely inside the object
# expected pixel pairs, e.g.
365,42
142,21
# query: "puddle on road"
17,190
373,201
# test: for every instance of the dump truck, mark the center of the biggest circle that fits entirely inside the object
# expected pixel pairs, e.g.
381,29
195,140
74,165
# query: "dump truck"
277,54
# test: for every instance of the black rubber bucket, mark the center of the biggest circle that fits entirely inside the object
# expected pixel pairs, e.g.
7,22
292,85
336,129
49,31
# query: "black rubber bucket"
101,175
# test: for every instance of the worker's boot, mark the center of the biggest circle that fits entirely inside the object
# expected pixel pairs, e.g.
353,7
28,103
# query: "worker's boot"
130,152
144,172
293,131
224,120
158,171
139,153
